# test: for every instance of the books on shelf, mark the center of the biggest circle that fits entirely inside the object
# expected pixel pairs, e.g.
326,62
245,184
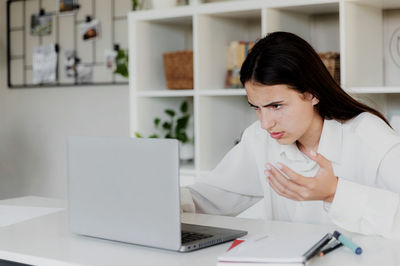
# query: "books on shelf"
236,54
238,51
331,61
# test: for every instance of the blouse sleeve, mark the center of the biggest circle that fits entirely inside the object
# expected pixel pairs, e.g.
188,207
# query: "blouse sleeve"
207,199
371,210
232,187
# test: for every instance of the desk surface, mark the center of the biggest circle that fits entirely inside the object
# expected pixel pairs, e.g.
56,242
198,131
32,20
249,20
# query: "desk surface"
47,241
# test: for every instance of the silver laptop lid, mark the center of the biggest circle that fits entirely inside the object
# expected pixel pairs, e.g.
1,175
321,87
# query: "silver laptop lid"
115,190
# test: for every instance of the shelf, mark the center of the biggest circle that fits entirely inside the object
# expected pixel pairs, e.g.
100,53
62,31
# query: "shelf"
381,67
148,108
213,46
320,26
220,114
156,38
165,93
382,4
172,15
312,9
221,124
223,92
373,90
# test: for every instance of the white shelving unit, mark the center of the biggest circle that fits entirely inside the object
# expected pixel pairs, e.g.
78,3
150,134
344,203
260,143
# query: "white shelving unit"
355,28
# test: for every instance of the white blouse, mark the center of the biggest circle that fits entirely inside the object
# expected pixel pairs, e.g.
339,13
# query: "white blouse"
365,155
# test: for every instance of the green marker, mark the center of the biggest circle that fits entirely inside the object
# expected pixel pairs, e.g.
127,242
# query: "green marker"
347,242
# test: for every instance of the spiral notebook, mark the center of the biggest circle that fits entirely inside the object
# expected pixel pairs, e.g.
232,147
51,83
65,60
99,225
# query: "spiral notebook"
270,250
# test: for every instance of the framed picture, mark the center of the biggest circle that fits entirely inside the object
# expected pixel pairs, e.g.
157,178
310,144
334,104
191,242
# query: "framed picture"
66,5
90,30
70,62
41,24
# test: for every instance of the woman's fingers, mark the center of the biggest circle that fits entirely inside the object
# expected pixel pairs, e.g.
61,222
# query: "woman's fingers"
282,184
281,190
319,159
295,177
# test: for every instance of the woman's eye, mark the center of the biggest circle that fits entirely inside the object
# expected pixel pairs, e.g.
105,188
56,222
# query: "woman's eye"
255,108
277,106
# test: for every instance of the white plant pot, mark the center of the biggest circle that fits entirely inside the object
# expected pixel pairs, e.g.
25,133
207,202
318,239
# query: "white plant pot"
186,151
157,4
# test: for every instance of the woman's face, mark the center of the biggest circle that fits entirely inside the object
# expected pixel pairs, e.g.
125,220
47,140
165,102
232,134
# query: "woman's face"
286,114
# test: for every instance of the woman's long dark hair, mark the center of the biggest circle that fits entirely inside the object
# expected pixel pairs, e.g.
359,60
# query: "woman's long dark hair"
285,58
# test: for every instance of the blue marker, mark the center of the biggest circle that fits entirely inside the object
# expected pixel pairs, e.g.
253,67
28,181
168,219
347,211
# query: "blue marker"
347,242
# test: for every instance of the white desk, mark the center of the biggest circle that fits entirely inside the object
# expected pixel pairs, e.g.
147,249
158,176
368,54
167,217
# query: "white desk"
47,241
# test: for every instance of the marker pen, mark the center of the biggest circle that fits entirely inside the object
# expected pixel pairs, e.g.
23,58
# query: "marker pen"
347,242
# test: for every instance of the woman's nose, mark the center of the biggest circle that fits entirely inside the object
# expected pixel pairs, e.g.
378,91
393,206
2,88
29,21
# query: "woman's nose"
267,122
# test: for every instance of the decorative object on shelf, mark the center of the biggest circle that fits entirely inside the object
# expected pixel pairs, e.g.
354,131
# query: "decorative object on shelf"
237,53
391,48
332,62
156,4
178,68
44,64
175,128
394,47
41,24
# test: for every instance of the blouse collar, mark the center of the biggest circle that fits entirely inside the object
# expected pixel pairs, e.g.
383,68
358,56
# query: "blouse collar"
330,144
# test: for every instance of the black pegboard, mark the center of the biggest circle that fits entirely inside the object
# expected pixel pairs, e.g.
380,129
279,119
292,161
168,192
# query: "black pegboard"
26,67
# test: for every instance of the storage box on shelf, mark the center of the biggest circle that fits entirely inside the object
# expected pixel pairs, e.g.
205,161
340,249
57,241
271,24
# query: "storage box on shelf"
178,68
154,38
353,29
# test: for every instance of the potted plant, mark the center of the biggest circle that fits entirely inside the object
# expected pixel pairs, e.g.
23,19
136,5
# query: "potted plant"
175,128
121,62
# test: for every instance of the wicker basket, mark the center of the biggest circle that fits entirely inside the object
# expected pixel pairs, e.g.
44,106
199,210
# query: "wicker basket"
178,68
332,62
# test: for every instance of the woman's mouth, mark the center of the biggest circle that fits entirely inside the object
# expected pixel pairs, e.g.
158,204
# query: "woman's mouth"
277,135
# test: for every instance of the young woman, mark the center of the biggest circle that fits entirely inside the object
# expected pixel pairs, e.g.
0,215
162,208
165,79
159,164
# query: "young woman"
315,154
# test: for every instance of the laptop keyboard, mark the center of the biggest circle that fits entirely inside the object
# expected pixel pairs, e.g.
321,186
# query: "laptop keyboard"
191,236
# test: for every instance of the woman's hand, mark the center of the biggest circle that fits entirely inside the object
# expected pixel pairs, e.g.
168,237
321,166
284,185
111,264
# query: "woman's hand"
320,187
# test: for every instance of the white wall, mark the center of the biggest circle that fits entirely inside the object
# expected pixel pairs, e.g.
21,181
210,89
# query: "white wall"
34,125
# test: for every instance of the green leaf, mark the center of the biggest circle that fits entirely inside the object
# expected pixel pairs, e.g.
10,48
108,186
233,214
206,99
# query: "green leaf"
122,70
154,136
182,137
135,4
157,121
183,122
168,136
170,112
121,61
137,134
166,125
184,107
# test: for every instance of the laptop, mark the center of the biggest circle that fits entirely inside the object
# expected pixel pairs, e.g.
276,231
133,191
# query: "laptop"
127,189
